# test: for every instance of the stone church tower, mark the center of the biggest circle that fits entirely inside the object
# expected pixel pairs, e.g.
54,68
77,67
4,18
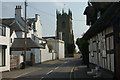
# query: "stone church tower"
64,26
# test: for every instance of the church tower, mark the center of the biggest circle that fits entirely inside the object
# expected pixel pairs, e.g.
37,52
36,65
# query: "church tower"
64,26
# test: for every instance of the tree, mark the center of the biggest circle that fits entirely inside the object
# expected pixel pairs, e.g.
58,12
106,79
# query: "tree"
83,47
50,48
71,48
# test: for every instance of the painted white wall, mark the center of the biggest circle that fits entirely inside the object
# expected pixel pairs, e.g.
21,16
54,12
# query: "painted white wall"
17,52
38,26
44,52
28,53
29,34
100,60
45,55
61,50
58,47
5,40
108,61
97,58
112,62
53,55
13,36
21,59
36,52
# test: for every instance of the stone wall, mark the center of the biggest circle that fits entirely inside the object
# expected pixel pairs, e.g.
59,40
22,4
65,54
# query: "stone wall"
15,61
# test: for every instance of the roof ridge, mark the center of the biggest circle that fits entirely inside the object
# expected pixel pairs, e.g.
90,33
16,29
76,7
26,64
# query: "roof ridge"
7,18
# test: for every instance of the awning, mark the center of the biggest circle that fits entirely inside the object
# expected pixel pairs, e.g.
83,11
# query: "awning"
19,45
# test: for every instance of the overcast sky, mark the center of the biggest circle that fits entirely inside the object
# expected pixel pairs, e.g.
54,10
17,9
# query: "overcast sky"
47,12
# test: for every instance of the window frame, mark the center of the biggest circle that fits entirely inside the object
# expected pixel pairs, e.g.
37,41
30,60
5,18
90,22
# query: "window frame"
3,30
3,56
0,30
3,63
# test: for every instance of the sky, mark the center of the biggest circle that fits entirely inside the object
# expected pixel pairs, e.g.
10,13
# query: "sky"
47,12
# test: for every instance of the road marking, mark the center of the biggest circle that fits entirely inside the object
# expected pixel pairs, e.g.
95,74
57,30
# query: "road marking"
41,78
71,73
56,67
49,72
24,74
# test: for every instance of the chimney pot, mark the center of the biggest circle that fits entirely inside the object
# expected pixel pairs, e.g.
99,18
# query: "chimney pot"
18,7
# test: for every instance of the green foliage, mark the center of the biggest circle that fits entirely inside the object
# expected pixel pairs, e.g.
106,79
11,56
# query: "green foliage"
50,48
82,45
75,51
71,48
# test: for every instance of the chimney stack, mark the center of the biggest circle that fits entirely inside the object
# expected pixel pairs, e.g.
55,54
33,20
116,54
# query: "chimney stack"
18,11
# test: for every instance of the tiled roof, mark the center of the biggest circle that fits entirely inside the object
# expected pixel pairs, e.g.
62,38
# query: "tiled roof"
18,44
15,25
7,21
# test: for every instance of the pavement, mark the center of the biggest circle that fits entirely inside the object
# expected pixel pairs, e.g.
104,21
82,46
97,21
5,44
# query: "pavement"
80,73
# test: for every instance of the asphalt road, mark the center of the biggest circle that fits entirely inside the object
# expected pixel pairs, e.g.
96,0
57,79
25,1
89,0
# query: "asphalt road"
53,70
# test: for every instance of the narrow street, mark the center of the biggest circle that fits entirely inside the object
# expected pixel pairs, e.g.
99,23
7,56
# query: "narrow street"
54,39
57,69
